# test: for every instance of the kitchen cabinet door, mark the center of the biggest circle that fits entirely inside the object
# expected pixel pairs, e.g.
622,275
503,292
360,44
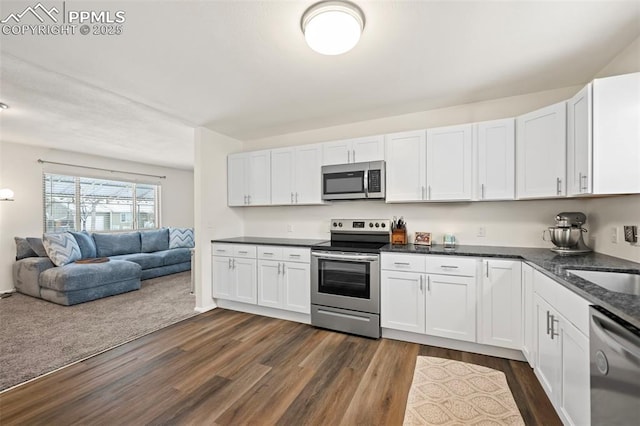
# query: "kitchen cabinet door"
406,156
402,301
370,148
296,280
269,285
222,277
336,152
495,155
449,167
237,185
547,349
451,307
282,176
307,176
245,282
616,132
541,143
528,315
575,395
259,178
501,299
579,143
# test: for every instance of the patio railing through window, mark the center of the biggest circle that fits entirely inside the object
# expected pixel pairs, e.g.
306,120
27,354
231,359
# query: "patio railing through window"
82,203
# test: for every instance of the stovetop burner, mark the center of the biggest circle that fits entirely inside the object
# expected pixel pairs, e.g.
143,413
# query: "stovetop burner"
347,246
357,235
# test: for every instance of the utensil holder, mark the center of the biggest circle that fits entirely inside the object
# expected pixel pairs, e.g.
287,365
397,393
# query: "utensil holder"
399,236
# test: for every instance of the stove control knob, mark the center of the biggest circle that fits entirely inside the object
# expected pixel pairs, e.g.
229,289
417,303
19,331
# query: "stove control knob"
370,224
377,225
384,225
340,224
335,224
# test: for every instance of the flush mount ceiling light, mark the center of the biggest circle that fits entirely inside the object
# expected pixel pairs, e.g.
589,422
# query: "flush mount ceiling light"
6,194
3,106
332,27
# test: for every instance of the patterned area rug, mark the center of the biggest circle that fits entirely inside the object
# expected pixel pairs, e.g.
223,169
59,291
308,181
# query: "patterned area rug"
448,392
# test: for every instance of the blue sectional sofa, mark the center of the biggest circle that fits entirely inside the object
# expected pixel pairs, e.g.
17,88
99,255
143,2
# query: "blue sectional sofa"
133,256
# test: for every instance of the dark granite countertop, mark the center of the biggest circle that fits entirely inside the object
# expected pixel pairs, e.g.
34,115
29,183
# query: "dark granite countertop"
625,306
294,242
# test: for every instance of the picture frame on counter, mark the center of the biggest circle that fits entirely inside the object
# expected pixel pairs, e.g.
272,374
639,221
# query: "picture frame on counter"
422,238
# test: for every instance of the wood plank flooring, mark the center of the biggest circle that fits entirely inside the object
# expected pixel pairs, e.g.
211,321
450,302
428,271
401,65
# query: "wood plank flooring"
232,368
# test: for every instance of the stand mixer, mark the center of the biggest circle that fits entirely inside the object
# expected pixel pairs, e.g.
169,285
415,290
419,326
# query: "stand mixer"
567,234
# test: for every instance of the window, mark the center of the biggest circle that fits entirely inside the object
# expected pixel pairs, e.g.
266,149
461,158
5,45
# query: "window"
89,204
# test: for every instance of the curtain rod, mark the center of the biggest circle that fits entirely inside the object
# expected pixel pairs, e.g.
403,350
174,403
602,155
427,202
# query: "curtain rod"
98,168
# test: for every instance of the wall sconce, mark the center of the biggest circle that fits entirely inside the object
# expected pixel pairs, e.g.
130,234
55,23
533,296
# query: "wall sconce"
6,194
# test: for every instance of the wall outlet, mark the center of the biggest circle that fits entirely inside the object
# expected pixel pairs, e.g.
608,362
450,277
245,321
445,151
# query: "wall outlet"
482,231
289,228
614,234
631,233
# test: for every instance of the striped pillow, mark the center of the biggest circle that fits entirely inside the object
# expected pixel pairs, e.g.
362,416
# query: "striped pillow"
61,248
181,237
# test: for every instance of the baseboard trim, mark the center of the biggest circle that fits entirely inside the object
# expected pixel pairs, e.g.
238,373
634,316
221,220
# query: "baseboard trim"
203,309
453,344
264,311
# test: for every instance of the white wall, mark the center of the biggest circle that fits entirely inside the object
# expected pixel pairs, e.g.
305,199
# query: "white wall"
604,214
20,171
213,219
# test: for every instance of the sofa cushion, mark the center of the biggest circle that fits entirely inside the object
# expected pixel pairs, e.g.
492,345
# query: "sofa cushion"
77,276
37,246
23,249
61,248
155,240
145,260
108,245
181,238
86,244
174,256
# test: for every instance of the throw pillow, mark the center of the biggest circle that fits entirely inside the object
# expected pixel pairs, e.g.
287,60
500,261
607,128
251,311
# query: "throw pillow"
86,244
23,249
181,237
36,245
156,240
62,248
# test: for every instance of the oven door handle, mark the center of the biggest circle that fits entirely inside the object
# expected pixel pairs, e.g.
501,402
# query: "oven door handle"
336,256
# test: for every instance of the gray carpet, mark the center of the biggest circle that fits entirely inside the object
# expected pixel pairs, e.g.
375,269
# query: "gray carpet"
38,336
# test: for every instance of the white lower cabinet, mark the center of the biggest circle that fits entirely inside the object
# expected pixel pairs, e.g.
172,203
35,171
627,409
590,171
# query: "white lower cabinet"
426,303
562,350
501,304
279,277
528,316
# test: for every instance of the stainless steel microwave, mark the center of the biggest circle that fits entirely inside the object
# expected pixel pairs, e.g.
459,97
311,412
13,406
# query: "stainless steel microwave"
353,181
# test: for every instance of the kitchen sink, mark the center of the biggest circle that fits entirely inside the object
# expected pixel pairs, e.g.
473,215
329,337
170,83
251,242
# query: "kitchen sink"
620,282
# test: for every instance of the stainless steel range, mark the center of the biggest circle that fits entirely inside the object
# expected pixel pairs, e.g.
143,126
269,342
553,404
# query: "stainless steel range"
345,277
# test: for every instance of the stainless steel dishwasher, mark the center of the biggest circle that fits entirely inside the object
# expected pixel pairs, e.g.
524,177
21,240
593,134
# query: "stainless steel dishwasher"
615,369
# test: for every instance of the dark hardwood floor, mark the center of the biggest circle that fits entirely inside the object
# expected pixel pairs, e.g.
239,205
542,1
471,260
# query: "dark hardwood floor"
231,368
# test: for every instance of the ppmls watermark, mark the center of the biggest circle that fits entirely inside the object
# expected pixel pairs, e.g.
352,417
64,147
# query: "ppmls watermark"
58,19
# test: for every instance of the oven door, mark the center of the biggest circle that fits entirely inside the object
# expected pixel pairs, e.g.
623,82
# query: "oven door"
346,280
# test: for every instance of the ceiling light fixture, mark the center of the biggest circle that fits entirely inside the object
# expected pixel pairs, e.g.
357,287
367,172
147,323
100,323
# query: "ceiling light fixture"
332,27
6,194
3,106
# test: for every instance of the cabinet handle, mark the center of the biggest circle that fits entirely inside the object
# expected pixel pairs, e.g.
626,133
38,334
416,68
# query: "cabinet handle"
348,156
586,184
245,199
292,198
422,193
558,186
487,265
229,263
296,198
220,250
421,288
243,252
248,199
267,253
294,255
234,264
278,268
402,263
429,192
553,329
283,269
448,266
580,182
548,323
354,155
482,191
429,283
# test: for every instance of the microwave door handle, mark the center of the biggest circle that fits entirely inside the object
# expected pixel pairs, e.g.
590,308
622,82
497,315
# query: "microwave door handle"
366,183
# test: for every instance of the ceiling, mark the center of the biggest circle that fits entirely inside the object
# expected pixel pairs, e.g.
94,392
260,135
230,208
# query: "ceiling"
242,68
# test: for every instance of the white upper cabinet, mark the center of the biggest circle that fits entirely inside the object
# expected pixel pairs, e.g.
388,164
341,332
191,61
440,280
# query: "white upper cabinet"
494,146
249,178
541,144
357,150
449,166
406,166
295,175
579,145
603,134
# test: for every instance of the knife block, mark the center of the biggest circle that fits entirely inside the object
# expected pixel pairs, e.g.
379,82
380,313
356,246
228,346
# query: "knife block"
399,236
